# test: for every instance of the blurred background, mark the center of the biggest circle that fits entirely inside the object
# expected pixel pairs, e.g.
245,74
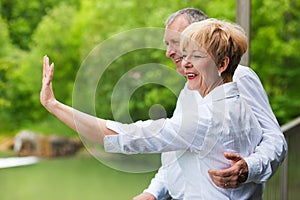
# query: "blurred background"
67,31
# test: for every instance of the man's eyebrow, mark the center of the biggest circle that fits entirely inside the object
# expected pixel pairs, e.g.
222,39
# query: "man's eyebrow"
171,40
174,40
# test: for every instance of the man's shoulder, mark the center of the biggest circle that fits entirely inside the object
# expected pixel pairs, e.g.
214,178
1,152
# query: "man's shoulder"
242,71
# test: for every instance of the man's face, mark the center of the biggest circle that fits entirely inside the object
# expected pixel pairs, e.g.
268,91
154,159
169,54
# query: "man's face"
172,41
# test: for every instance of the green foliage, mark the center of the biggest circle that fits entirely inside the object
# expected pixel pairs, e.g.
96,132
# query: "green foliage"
4,50
4,39
219,9
24,16
9,59
275,41
68,30
54,37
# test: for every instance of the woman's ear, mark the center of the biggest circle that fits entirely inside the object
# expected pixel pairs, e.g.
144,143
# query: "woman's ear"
224,64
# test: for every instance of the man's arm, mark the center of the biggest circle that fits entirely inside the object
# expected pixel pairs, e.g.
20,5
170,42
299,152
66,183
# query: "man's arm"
157,188
145,196
270,153
272,150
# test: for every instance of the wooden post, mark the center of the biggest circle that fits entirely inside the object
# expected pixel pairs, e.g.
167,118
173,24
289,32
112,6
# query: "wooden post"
243,18
290,130
284,178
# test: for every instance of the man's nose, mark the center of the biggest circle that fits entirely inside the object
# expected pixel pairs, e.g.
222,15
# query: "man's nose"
170,51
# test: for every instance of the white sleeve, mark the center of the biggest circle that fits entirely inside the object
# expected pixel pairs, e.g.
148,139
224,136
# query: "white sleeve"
155,136
157,186
197,129
271,151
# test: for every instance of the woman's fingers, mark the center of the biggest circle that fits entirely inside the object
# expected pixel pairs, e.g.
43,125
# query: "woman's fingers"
46,93
45,63
50,73
47,71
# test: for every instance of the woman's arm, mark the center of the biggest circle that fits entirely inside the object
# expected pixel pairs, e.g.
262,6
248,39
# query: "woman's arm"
89,126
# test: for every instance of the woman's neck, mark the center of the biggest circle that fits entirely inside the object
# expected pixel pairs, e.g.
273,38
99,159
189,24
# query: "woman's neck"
207,90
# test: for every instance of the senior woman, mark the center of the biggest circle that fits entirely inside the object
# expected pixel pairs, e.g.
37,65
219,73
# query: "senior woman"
221,120
217,121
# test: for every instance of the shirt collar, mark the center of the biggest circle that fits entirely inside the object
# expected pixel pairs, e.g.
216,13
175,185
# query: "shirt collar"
226,90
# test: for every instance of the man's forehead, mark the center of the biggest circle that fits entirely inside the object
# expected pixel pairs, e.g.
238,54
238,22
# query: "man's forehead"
171,35
178,24
174,29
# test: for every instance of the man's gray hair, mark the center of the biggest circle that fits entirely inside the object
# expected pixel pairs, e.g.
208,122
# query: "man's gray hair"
191,14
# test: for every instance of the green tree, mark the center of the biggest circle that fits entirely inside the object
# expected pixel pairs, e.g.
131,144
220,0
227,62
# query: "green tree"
10,57
23,73
275,39
97,25
54,37
68,30
24,16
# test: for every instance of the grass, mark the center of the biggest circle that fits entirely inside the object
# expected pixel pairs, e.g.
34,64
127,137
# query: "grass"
74,178
85,178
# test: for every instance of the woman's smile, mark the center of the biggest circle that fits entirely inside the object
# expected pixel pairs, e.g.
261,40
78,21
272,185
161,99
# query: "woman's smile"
190,75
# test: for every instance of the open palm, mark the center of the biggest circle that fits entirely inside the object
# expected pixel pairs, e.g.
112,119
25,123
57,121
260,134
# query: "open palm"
46,95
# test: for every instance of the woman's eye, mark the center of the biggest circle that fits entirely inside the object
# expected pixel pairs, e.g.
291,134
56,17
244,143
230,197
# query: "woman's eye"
184,56
198,56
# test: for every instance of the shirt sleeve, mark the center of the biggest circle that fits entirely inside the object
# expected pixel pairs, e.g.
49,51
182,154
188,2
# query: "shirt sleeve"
157,186
156,136
272,150
196,129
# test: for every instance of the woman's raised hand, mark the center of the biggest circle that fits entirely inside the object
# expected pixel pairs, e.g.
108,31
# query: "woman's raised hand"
46,95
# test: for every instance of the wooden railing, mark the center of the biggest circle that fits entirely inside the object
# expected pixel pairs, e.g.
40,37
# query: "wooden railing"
285,184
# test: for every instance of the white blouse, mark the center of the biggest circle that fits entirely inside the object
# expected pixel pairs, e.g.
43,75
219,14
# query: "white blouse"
220,122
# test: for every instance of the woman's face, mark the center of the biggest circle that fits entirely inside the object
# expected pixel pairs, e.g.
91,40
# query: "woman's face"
200,69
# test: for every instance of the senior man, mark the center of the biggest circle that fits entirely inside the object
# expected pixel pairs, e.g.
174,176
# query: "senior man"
259,166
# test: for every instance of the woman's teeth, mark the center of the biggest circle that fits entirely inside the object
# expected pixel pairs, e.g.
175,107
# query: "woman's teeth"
191,75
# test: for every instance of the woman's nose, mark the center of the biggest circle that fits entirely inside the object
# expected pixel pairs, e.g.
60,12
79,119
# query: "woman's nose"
185,63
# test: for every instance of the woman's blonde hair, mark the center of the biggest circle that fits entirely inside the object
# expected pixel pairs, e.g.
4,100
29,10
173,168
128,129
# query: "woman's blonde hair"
220,39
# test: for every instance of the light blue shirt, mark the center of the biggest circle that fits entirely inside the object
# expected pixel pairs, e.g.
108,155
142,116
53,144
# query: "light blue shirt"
220,122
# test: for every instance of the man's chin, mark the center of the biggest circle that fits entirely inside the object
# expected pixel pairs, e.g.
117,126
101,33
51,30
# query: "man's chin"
180,70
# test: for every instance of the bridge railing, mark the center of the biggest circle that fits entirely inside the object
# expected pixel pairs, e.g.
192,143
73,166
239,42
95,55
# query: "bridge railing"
285,184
